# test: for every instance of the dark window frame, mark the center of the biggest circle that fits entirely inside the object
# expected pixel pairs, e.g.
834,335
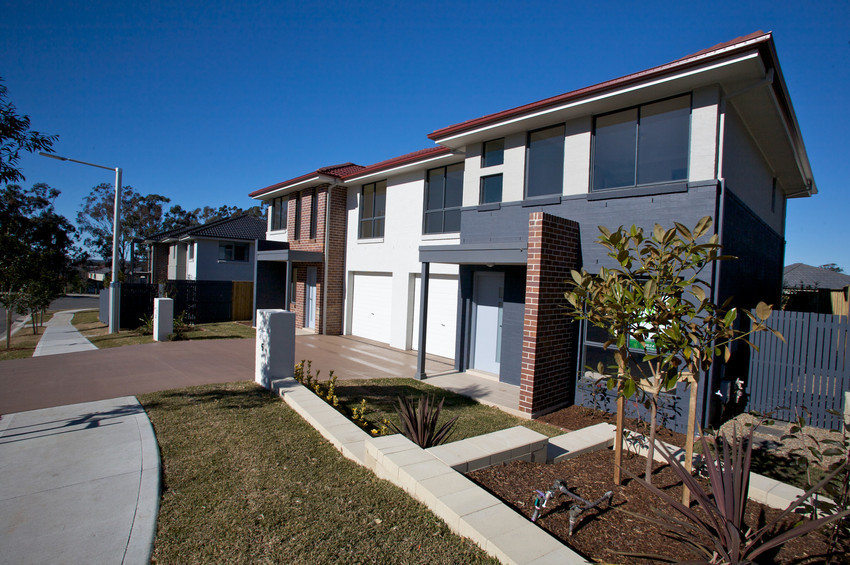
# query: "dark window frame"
297,216
229,252
443,209
637,152
279,212
314,213
484,163
481,192
528,165
370,217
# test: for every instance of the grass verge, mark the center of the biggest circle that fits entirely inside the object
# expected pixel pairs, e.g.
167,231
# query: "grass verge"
246,480
474,419
98,333
24,342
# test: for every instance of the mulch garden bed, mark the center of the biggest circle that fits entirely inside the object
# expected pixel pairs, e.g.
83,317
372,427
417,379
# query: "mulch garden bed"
605,534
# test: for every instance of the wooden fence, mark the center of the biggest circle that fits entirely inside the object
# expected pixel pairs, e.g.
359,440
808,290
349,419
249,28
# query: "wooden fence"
243,300
811,370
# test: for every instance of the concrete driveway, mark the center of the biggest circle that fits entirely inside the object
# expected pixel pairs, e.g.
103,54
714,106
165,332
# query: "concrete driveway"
86,376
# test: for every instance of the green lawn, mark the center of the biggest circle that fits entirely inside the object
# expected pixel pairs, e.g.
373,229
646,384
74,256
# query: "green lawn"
98,333
474,419
246,480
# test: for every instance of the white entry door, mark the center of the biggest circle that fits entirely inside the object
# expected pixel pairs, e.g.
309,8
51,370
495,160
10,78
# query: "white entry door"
488,297
310,299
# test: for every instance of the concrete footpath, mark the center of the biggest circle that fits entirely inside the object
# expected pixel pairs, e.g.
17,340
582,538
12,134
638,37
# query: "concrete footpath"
80,484
61,337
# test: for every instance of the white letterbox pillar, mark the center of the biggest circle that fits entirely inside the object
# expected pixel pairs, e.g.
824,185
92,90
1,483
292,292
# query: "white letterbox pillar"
275,354
163,318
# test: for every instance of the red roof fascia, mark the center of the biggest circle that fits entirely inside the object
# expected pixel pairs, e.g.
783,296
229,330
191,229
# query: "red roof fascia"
337,171
690,60
405,159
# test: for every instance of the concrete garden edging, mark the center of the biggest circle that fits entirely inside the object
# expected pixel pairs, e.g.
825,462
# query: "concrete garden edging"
467,509
435,476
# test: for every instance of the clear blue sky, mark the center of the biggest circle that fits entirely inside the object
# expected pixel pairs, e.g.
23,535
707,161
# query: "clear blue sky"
204,102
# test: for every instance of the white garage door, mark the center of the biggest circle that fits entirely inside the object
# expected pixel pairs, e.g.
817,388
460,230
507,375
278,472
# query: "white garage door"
370,312
442,316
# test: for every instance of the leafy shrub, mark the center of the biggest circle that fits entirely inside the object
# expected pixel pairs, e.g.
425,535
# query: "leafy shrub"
146,325
812,459
420,425
327,392
181,326
719,533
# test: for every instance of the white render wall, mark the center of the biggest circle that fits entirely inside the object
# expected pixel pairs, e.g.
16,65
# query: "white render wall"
397,252
191,262
177,262
704,122
512,170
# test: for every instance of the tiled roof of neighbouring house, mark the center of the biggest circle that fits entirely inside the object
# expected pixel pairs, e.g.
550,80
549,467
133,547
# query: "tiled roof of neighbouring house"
169,234
800,275
239,227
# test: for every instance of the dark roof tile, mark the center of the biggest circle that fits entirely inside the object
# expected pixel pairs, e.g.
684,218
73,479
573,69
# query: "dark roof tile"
800,275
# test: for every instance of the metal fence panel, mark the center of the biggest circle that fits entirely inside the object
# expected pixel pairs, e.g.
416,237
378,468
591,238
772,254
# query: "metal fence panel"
809,370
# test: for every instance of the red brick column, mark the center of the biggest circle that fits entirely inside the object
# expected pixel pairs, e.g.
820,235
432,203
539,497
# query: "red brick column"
549,344
335,257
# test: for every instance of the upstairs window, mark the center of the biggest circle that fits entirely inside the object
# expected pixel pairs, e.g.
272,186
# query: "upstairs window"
494,153
443,199
545,162
373,203
644,145
314,213
279,211
491,189
297,216
233,252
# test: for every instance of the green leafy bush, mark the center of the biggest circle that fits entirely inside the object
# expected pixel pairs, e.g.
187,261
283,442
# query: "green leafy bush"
812,458
327,392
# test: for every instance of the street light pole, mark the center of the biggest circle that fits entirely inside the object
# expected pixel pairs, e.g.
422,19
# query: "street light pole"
114,284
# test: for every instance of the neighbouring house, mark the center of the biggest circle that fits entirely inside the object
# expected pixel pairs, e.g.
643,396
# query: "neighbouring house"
301,265
463,249
812,289
222,250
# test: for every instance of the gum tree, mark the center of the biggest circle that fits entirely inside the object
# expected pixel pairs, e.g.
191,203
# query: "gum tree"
656,302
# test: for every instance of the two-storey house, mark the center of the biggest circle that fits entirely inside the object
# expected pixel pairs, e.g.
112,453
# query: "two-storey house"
463,250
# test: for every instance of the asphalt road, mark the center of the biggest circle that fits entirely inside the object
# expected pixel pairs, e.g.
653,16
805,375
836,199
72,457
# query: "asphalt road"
75,302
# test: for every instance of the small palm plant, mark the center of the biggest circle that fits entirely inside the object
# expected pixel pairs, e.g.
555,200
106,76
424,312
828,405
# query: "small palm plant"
718,531
420,425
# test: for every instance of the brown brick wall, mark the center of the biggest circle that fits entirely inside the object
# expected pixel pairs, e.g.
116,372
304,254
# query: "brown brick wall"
549,347
159,268
336,255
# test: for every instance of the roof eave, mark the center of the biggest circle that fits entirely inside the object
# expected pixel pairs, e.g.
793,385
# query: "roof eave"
401,165
444,135
293,185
